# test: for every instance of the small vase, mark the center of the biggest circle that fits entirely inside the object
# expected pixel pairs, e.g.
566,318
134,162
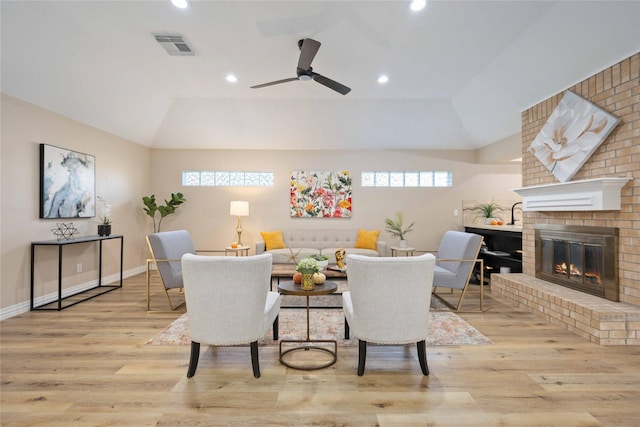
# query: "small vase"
104,229
403,244
307,282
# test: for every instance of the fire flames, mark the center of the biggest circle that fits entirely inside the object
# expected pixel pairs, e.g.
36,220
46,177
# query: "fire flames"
574,271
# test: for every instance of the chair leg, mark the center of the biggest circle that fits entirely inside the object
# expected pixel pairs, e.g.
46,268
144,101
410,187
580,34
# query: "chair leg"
255,362
422,357
346,329
362,356
275,329
193,360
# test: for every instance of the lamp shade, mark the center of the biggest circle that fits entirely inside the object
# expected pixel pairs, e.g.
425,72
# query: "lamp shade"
239,208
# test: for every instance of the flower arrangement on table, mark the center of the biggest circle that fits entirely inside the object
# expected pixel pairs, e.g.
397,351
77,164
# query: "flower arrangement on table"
308,265
310,270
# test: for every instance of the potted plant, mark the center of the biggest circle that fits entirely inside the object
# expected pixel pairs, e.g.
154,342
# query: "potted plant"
307,266
104,227
170,206
323,261
396,228
487,211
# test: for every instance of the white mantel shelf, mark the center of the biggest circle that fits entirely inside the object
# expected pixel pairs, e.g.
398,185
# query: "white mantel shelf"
599,194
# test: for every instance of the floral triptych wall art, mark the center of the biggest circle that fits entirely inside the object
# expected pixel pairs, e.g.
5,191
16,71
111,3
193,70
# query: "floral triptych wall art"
320,194
571,134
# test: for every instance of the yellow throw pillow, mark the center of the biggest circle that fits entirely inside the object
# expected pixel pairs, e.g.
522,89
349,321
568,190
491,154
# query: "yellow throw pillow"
367,239
273,239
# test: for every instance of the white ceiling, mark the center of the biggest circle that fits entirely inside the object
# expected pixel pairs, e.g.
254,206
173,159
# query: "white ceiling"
460,71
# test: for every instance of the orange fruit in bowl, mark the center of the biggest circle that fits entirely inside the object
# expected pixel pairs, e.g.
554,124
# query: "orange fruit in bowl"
494,222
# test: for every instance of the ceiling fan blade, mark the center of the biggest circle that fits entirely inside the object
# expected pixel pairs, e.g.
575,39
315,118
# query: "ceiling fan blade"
307,53
331,84
277,82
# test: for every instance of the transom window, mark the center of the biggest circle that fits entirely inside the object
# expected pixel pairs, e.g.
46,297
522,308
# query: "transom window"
408,179
226,179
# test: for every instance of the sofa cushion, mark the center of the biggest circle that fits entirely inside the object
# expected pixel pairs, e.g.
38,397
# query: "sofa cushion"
273,239
367,239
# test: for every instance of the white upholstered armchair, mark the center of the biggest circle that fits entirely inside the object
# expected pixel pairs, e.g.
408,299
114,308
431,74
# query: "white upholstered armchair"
388,302
229,302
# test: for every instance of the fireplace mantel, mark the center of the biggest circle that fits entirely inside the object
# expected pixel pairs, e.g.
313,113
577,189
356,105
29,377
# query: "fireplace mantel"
599,194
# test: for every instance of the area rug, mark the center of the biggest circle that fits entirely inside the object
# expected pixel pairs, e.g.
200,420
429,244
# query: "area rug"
445,329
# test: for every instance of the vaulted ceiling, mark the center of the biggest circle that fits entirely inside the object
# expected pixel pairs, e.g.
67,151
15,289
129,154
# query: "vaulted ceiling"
460,72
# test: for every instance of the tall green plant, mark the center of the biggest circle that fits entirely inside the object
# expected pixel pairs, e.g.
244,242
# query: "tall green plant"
396,226
487,210
170,206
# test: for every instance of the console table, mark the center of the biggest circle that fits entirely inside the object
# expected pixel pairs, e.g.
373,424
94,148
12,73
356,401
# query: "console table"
60,244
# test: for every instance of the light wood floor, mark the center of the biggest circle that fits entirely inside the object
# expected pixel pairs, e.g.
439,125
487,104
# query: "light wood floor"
89,366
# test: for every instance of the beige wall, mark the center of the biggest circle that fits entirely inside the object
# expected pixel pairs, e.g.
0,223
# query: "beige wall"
206,213
617,90
127,171
122,175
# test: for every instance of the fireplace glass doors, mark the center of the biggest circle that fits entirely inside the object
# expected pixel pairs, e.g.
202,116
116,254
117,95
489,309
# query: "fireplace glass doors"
581,258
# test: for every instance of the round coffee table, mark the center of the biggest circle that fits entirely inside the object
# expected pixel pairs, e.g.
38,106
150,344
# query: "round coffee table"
327,288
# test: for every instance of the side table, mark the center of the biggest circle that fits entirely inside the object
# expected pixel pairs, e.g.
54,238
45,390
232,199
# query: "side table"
399,251
289,288
239,251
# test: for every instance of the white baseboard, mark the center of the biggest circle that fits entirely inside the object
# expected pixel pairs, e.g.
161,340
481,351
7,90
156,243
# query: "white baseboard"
25,306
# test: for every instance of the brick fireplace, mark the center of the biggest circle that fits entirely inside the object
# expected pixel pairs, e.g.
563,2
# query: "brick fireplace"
617,90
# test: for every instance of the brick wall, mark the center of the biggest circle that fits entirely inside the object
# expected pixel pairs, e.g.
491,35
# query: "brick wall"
616,90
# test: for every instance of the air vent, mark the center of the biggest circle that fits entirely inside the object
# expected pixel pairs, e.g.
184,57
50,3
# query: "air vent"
175,44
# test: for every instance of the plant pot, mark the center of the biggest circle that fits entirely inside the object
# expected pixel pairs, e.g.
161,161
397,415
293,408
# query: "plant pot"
104,229
307,282
323,264
403,244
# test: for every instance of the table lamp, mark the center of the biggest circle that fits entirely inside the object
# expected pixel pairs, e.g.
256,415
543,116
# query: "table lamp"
239,208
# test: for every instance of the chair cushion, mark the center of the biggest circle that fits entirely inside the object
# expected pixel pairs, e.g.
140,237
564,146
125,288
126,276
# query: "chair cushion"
447,279
273,239
367,239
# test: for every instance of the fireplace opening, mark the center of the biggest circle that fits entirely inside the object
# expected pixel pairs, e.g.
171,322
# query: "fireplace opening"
578,257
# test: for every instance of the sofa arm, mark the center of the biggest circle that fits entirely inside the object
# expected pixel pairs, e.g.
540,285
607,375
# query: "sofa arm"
381,247
260,247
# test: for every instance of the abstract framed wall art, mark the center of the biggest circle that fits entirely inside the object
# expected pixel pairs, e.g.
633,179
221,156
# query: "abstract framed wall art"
316,194
575,129
67,183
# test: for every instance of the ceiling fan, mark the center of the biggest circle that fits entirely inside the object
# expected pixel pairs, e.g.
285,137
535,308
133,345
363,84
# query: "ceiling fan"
308,50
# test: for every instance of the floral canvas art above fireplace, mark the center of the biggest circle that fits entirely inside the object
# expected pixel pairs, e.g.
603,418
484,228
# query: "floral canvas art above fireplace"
572,133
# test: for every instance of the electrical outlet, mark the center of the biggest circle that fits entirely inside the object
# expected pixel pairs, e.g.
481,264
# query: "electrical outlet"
456,212
79,268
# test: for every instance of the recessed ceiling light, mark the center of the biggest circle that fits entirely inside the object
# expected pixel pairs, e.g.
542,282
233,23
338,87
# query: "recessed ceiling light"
383,79
417,5
231,78
181,4
519,159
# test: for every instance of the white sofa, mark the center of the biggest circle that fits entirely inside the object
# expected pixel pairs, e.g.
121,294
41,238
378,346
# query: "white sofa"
302,243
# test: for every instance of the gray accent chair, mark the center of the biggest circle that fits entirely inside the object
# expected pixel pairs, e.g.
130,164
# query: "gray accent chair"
229,303
166,250
388,302
455,261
